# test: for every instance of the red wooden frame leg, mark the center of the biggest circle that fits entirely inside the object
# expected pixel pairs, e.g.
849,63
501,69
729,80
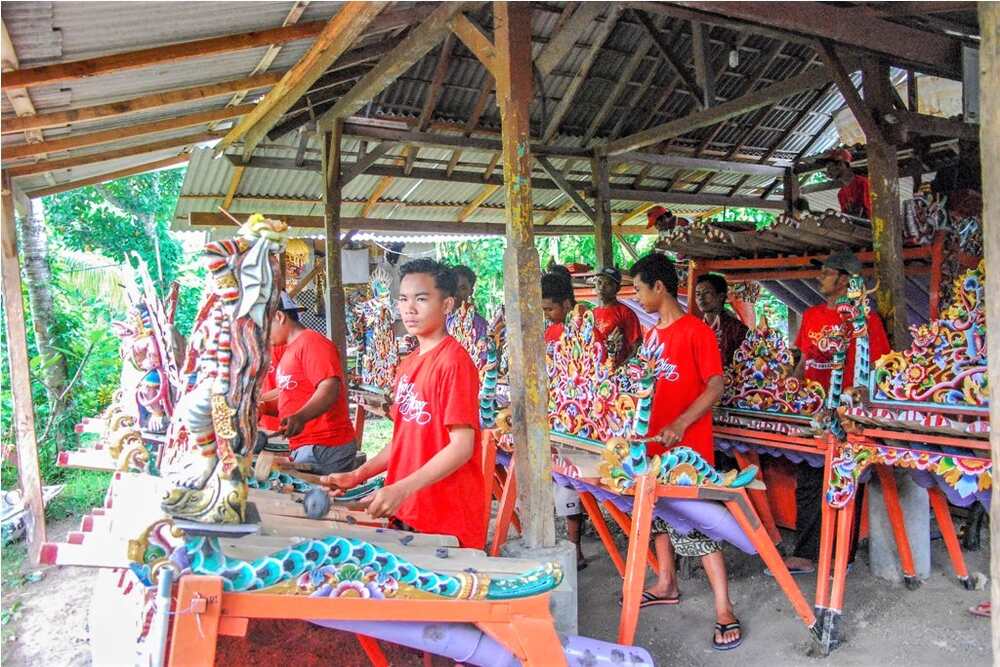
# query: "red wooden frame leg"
594,512
941,512
759,496
506,510
827,535
625,523
196,622
896,520
845,524
489,471
635,568
373,651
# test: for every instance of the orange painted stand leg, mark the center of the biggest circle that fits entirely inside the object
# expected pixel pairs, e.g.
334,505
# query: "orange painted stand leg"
505,511
895,512
759,496
635,570
489,473
529,633
829,517
373,651
845,524
772,559
594,512
625,523
940,506
196,622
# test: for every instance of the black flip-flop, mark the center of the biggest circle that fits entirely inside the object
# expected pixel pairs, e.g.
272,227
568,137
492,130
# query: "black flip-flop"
650,600
722,629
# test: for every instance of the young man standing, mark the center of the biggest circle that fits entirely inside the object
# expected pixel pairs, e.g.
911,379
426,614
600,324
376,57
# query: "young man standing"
817,364
710,294
854,195
435,479
683,396
465,280
614,319
312,394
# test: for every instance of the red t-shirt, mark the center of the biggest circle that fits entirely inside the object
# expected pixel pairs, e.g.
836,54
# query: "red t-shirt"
621,317
434,391
816,323
307,361
856,198
553,332
692,358
271,423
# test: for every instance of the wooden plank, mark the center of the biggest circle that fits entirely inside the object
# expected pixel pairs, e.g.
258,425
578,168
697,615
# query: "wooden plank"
491,167
842,77
336,327
366,161
383,184
354,128
661,42
563,41
111,175
234,184
935,126
19,97
522,278
600,35
603,248
989,104
566,188
415,46
437,83
29,477
814,78
114,134
701,49
698,163
142,103
79,69
476,202
337,36
472,36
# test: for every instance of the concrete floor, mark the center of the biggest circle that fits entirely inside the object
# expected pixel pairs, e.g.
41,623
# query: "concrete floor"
884,624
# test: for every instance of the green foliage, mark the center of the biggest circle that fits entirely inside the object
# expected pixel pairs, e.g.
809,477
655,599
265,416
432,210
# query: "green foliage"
760,219
774,310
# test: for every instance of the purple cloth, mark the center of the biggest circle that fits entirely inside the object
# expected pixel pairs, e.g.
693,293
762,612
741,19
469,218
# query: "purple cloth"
727,445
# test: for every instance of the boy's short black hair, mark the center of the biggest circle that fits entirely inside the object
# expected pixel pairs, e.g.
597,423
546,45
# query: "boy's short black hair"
561,270
463,270
444,277
557,287
656,266
717,280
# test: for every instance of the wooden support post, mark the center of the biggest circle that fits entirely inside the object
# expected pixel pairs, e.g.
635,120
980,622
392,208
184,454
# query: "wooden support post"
887,216
989,69
335,324
28,474
522,277
602,220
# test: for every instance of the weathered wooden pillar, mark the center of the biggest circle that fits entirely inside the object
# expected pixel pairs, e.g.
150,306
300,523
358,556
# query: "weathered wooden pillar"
522,278
603,249
989,134
887,216
29,477
336,327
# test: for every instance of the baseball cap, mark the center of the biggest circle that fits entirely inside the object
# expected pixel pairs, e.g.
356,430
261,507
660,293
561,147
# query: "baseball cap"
610,272
842,260
288,305
654,214
838,155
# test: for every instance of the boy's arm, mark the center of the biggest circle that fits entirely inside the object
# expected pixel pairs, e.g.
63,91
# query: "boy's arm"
673,432
341,481
456,453
322,400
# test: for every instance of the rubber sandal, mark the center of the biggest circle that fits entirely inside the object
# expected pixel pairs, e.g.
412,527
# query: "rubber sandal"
722,629
794,571
650,600
982,610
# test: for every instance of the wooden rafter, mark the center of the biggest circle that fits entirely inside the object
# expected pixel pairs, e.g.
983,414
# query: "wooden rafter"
841,76
558,213
106,136
566,188
477,112
437,83
19,98
624,78
234,185
365,161
660,41
491,167
111,175
703,68
383,184
600,35
337,36
474,39
476,202
564,38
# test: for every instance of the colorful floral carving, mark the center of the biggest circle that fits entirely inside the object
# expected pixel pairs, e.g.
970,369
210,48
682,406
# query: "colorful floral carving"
470,330
378,355
624,462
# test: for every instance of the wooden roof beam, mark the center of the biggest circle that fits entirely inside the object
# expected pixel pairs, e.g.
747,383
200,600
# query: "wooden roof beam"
563,41
474,39
373,197
80,69
624,78
476,202
234,185
684,162
660,41
566,188
18,97
353,128
337,36
415,46
111,176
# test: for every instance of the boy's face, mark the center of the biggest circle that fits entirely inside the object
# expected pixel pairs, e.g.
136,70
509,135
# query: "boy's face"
280,328
606,287
463,290
422,306
709,301
555,311
831,282
650,297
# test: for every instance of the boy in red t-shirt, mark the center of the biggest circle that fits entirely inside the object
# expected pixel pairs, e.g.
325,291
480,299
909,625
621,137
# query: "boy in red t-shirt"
613,315
688,385
435,478
312,394
854,196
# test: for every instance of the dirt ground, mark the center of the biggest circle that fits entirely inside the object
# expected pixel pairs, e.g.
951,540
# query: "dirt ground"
885,625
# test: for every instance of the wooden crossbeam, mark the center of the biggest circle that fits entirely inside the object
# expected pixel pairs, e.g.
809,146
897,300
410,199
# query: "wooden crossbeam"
114,134
80,69
380,188
684,162
566,188
44,166
814,78
415,46
436,140
842,77
437,83
560,44
111,176
559,212
366,161
475,40
476,202
660,41
337,36
600,35
703,69
143,103
234,185
491,167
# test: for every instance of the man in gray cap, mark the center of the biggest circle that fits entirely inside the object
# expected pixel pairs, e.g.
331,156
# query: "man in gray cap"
817,364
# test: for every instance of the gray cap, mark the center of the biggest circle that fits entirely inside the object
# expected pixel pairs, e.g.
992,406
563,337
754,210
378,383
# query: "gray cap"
288,304
842,260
